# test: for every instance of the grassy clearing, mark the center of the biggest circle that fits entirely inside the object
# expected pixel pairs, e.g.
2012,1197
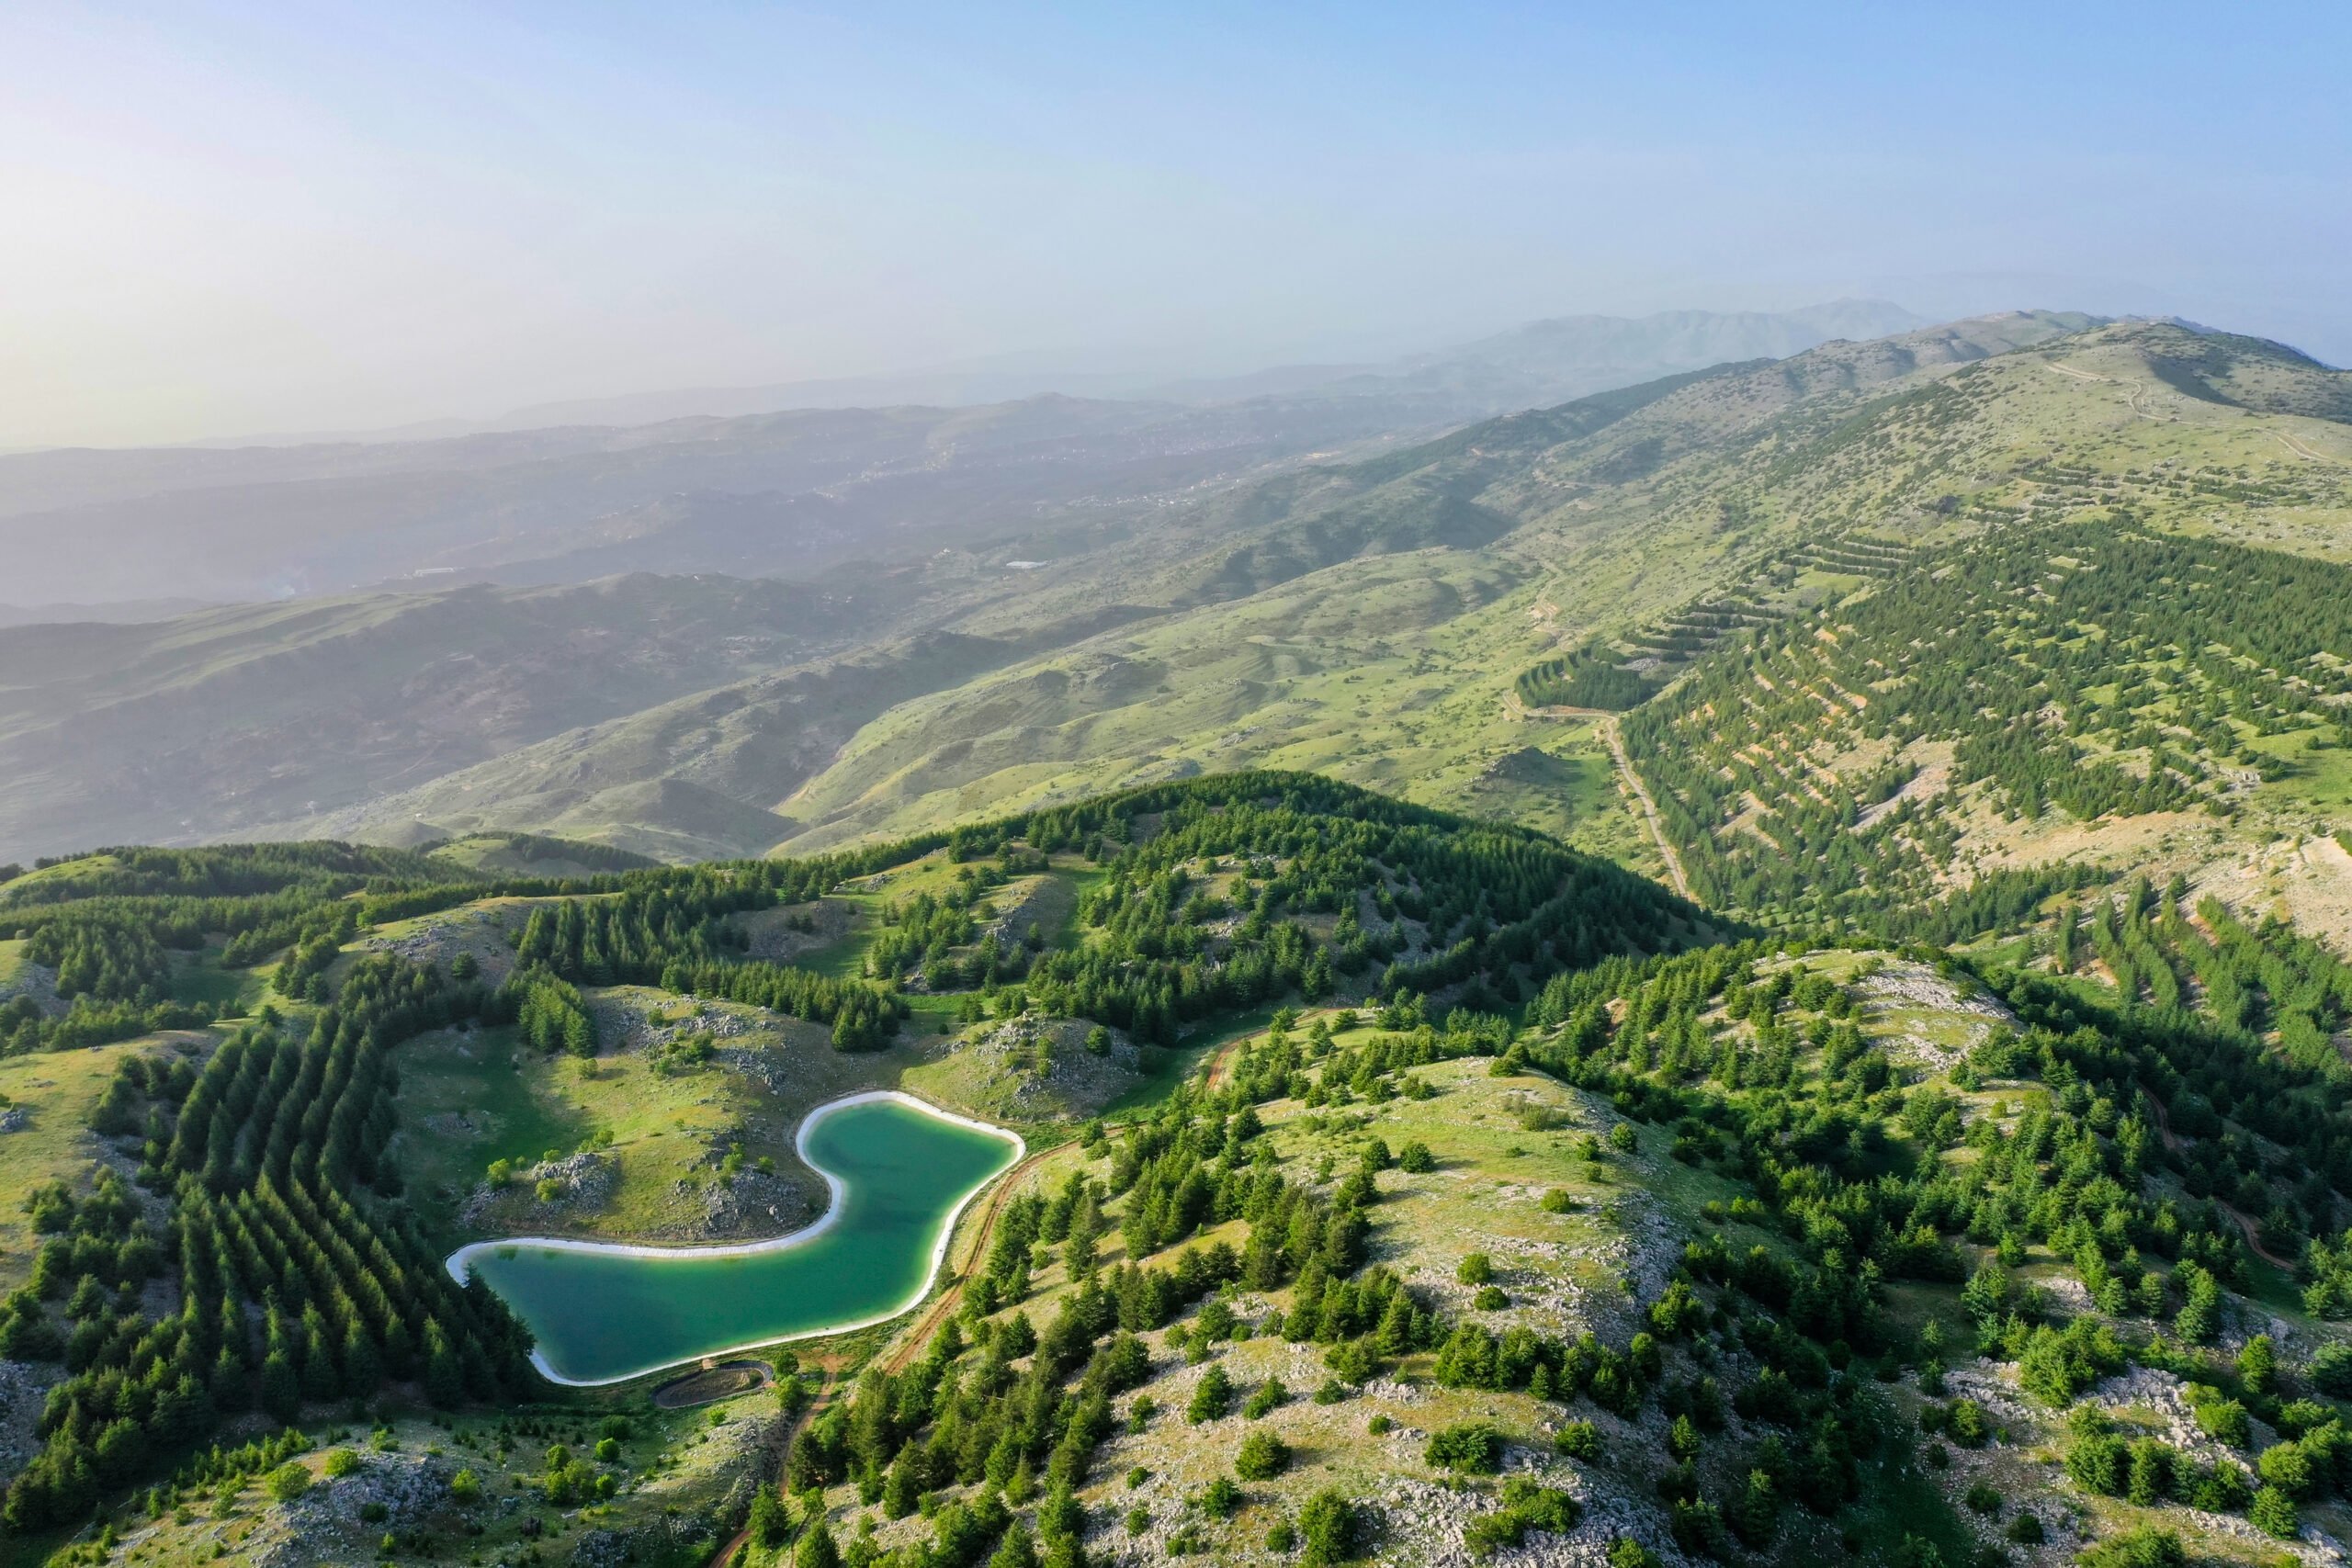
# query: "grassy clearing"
198,978
685,1140
57,1091
666,1124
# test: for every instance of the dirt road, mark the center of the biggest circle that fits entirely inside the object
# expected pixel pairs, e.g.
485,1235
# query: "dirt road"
1632,782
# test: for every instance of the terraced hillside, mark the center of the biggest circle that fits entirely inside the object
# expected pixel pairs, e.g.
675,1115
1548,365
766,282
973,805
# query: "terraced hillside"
1987,706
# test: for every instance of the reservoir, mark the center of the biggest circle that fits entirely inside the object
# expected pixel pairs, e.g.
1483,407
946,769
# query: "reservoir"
901,1171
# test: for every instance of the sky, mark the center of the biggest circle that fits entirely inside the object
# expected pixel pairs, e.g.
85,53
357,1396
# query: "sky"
226,218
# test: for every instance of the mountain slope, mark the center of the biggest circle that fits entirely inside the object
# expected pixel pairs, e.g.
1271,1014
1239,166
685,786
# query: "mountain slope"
1373,617
1517,489
790,495
233,718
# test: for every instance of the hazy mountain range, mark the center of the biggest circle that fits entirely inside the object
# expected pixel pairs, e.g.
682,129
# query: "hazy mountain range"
782,481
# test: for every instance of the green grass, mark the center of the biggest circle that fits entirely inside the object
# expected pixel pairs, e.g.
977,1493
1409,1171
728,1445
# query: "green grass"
58,1090
482,1077
469,1097
200,979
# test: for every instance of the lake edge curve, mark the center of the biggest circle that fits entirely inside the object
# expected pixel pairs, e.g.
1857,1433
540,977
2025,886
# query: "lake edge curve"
460,1263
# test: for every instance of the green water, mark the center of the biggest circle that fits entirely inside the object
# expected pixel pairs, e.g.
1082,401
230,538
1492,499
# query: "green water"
603,1314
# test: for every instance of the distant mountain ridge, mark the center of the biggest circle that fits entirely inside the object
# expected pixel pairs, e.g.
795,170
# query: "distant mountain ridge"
720,486
1558,358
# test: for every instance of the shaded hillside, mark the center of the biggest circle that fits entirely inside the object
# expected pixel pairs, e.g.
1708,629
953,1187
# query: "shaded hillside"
691,778
230,718
782,494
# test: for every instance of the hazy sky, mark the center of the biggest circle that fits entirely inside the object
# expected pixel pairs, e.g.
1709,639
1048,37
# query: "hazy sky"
225,219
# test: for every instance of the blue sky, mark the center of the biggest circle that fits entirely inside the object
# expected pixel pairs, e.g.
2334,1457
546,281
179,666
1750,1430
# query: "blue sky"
235,218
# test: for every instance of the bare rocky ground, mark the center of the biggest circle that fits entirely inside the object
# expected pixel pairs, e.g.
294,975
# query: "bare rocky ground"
38,981
23,1386
583,1183
483,930
1899,985
682,1506
775,934
997,1066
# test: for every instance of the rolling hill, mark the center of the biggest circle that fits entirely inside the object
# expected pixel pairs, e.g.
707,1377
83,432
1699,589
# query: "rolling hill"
1398,1187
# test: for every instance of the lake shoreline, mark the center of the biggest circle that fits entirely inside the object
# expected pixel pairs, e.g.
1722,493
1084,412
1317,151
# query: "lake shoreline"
460,1263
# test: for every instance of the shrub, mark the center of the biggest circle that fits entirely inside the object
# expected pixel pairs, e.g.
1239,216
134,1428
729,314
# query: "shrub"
339,1463
2286,1467
1491,1298
1416,1157
1477,1269
2331,1370
2225,1420
1472,1447
1579,1441
1219,1498
1281,1536
770,1521
1622,1138
1380,1426
2272,1511
1355,1360
1328,1525
1211,1398
2026,1530
1982,1498
287,1482
1269,1393
2143,1547
1263,1456
465,1486
1697,1528
2057,1365
1558,1200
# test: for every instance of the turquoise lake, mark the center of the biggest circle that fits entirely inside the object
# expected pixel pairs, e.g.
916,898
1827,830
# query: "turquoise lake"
901,1172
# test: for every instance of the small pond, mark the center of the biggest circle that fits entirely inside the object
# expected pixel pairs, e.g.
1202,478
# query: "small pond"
901,1172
